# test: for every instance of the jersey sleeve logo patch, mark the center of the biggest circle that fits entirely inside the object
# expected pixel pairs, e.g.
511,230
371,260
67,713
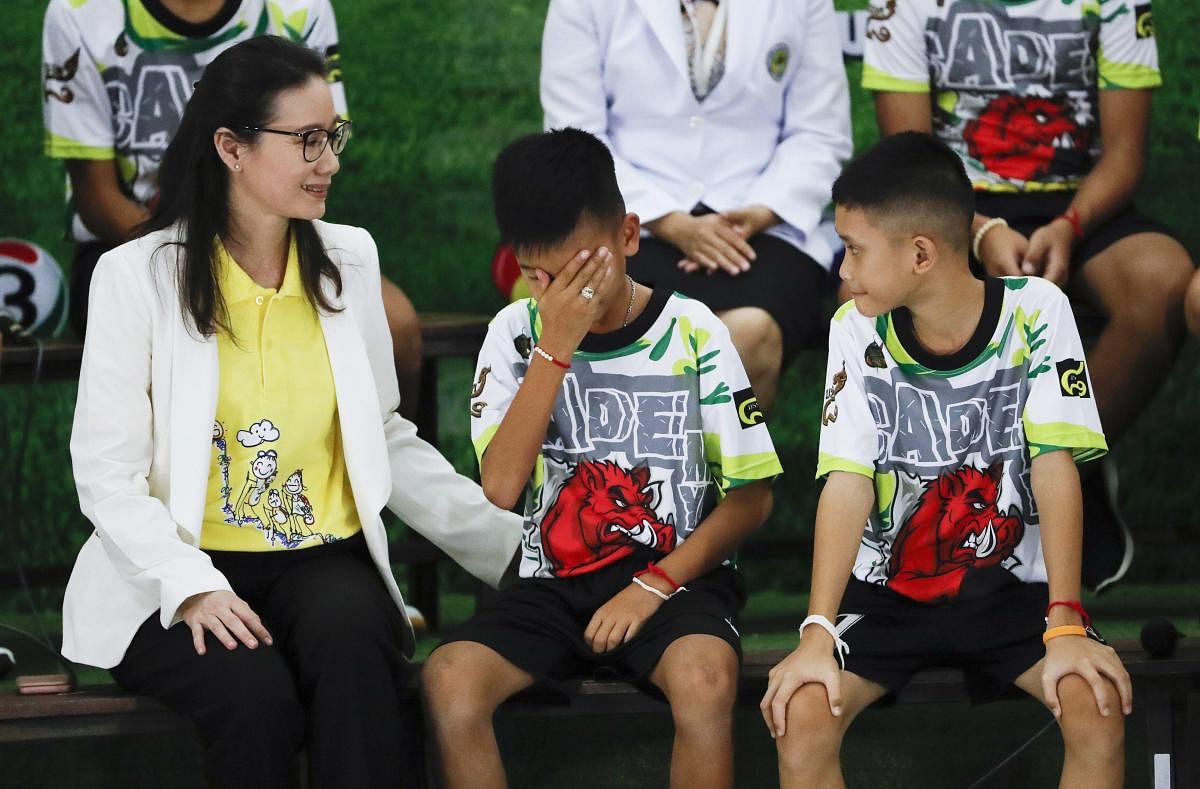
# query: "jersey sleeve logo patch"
748,411
1143,21
829,409
1072,378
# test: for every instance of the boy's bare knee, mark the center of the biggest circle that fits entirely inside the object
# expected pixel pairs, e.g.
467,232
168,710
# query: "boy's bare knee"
813,734
1085,730
454,690
703,688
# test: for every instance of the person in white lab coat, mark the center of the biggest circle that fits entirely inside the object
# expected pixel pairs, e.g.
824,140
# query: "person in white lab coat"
728,121
235,440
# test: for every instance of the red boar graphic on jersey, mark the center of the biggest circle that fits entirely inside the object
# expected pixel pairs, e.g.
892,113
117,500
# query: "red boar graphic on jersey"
1021,137
600,514
956,526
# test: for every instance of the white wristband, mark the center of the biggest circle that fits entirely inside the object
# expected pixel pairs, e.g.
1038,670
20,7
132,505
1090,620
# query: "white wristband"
983,231
840,647
652,590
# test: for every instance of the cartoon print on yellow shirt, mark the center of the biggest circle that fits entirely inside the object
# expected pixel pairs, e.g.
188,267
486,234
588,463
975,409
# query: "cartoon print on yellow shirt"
284,514
258,478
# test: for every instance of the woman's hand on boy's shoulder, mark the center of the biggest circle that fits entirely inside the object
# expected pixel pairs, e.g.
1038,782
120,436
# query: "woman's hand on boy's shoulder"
811,663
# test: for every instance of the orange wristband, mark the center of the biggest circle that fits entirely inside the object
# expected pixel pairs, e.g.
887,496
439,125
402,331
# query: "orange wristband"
1063,630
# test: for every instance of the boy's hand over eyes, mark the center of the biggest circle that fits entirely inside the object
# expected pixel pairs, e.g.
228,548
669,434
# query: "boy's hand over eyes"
566,315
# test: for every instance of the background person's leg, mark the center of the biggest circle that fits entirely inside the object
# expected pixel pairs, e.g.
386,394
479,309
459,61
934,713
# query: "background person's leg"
243,702
772,311
405,328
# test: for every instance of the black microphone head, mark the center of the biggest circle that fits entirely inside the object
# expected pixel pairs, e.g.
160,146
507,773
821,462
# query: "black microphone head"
1159,637
7,661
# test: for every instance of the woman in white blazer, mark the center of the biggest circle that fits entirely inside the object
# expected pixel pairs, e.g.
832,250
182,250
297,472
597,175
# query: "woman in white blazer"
728,122
297,641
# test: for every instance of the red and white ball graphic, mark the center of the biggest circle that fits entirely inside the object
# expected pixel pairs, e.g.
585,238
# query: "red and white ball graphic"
32,291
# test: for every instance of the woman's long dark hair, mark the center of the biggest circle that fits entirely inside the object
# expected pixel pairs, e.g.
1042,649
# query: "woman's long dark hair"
238,89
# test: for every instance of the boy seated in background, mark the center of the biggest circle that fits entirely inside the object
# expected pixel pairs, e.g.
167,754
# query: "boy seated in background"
955,412
627,419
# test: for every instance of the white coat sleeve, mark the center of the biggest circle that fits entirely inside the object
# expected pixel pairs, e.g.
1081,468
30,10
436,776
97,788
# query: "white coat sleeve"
432,498
112,444
572,90
814,133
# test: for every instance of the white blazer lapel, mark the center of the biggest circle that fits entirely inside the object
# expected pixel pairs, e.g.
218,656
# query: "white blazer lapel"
358,416
665,21
194,381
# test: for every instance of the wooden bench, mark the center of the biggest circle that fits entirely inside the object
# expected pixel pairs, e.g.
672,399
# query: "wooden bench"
1167,698
443,335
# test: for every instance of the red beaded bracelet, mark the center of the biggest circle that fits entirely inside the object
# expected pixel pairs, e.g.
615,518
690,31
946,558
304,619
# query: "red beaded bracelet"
1075,606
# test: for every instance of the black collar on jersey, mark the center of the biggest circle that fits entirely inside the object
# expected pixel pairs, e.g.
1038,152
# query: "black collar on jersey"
612,340
192,29
993,300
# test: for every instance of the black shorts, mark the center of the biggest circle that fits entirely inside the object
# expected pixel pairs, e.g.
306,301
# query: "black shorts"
1025,213
994,638
537,624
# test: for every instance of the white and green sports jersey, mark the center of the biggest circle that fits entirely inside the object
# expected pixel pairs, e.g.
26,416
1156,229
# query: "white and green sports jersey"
117,73
949,440
654,424
1014,82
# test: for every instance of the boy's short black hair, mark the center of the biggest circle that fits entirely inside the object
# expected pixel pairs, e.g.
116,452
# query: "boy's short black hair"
911,183
544,184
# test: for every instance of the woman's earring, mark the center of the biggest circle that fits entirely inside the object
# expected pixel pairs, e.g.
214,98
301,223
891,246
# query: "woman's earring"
237,165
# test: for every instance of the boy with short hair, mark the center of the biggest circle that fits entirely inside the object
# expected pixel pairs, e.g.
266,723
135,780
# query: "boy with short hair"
626,417
955,412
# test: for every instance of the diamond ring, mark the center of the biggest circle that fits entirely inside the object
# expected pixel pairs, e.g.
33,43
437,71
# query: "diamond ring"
587,292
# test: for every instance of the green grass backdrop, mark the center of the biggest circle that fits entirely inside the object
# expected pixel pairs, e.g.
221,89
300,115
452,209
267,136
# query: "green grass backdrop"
436,89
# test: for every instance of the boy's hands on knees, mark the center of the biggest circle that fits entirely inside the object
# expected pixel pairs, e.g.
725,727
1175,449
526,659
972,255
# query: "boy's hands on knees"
1091,660
566,315
226,616
1003,251
617,621
810,663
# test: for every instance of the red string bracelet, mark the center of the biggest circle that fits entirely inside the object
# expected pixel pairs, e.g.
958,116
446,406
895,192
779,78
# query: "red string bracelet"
651,567
1075,606
1072,216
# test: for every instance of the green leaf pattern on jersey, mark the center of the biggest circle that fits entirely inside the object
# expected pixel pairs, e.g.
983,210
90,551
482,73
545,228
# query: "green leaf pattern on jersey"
696,361
1032,333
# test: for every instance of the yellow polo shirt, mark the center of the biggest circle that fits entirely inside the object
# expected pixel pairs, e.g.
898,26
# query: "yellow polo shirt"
278,479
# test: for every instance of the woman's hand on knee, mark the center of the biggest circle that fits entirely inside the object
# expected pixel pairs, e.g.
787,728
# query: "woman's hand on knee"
810,663
226,616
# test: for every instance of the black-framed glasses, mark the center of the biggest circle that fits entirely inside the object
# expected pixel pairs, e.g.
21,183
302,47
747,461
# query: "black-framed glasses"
315,140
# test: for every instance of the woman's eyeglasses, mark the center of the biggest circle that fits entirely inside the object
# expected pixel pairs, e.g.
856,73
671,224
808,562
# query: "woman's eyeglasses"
315,140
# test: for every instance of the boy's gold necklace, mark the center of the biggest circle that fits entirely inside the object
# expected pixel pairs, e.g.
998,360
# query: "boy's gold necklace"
629,309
